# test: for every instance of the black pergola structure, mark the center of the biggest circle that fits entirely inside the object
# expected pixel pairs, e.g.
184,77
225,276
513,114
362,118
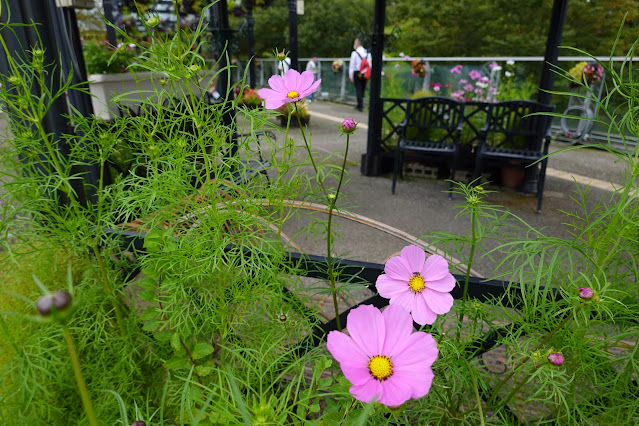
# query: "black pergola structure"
353,272
376,161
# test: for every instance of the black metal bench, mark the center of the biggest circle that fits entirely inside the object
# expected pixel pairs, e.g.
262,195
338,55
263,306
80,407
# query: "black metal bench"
432,128
516,134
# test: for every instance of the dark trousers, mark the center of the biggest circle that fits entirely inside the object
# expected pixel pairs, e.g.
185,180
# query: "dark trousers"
360,88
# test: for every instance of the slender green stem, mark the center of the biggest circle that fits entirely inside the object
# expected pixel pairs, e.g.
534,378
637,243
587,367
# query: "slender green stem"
476,389
331,205
79,378
471,257
329,238
310,156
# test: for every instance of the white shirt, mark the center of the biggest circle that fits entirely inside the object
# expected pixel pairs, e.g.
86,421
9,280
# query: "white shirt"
312,67
356,61
286,63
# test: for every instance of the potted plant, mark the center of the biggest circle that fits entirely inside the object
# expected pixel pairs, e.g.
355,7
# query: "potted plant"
108,71
590,72
249,98
418,68
300,110
337,66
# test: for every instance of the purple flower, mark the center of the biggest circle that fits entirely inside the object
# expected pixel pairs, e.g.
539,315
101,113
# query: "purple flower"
348,126
463,81
586,293
469,87
556,358
456,69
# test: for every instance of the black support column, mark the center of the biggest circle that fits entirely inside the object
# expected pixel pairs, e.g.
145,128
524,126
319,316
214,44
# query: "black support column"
555,33
292,33
372,161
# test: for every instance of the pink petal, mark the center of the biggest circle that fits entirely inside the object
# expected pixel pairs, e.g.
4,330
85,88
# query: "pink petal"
443,285
277,84
422,314
395,392
365,324
435,268
273,103
344,349
405,300
415,258
306,81
388,287
366,392
357,375
399,326
419,348
396,267
418,377
292,80
440,303
311,89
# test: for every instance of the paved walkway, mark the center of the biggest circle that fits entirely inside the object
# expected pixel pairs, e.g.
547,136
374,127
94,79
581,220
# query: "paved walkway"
420,206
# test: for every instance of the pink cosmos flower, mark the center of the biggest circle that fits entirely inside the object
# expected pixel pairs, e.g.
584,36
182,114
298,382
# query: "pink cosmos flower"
418,284
382,357
456,69
290,88
474,75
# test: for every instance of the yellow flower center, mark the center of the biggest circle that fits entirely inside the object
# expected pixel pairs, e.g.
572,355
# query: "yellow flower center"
416,283
292,94
381,367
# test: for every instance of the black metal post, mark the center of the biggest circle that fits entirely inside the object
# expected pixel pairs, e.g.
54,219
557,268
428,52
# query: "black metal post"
107,6
292,33
251,43
45,36
555,31
72,59
372,160
221,51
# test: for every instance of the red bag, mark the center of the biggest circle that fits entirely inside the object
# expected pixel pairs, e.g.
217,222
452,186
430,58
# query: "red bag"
364,68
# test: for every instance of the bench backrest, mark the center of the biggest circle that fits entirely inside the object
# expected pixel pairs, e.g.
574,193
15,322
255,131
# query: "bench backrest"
509,124
433,119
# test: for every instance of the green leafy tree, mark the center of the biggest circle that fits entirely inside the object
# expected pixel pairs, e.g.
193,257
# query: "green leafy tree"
327,27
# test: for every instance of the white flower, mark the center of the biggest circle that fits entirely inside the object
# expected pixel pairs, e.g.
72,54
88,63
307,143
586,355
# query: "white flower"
510,62
481,84
497,68
508,74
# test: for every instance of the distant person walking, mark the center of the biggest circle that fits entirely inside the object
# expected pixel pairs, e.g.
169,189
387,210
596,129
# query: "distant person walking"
312,66
358,78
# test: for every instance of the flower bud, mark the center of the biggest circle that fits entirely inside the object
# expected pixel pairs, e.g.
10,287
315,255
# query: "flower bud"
153,21
586,293
348,126
138,423
281,56
60,300
556,358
